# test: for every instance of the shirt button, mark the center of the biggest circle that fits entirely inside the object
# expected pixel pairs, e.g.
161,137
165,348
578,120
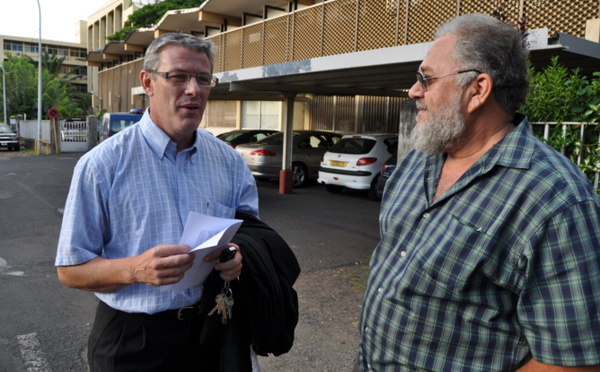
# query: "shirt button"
379,290
403,254
426,216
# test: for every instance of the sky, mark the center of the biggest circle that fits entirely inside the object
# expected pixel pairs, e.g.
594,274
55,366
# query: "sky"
59,17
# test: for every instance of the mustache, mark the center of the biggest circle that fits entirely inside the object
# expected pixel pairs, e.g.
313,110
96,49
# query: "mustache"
421,105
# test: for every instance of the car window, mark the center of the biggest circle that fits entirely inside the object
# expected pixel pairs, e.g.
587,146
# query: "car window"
259,136
391,145
353,146
276,139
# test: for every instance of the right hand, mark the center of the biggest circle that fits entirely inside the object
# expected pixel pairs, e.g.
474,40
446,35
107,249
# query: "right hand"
162,265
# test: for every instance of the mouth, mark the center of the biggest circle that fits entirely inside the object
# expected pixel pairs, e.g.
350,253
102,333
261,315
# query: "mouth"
190,106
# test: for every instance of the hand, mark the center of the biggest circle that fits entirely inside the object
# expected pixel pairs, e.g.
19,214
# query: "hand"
162,265
231,269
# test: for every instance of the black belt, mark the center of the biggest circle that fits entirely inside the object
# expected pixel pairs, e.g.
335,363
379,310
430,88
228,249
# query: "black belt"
185,313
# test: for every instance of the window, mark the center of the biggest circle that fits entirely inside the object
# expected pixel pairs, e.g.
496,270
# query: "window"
13,46
261,115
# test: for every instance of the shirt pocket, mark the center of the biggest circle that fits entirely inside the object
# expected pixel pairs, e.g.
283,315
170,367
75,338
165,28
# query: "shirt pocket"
459,255
210,207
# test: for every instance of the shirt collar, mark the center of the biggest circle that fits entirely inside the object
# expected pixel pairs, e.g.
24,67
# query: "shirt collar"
516,149
160,143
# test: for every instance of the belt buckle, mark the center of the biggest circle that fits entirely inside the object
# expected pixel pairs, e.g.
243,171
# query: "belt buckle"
187,313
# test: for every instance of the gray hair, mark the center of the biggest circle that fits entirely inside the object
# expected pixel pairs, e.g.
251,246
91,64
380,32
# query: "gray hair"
493,47
187,41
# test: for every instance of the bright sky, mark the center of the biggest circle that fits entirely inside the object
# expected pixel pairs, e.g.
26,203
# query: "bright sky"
59,17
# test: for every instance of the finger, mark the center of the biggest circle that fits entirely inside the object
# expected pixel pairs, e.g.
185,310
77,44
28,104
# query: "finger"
217,252
231,274
171,250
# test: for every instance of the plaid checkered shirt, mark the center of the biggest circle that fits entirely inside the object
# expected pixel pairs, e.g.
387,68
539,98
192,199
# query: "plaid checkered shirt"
504,266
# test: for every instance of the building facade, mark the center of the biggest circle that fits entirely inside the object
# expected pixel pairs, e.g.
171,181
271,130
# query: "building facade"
319,52
74,66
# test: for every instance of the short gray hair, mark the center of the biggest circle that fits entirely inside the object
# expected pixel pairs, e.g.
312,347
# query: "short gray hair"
187,41
493,47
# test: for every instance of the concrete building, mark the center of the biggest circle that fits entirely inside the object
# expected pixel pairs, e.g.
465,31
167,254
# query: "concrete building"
341,65
73,68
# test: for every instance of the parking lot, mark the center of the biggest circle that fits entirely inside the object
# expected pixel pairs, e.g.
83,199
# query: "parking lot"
46,324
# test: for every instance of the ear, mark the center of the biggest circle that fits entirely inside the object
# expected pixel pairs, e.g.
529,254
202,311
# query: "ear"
480,92
146,80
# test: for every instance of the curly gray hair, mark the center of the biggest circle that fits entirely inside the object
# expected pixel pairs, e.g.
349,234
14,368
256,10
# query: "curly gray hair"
493,47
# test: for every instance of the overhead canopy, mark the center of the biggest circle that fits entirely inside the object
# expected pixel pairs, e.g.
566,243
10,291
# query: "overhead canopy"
382,72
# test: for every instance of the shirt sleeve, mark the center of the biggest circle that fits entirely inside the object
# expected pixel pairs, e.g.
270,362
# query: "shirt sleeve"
84,221
559,309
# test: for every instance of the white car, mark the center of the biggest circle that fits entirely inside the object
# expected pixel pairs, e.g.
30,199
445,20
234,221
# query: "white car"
355,162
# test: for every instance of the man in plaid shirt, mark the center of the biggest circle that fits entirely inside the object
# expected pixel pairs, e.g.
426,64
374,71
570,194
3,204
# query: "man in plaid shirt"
489,258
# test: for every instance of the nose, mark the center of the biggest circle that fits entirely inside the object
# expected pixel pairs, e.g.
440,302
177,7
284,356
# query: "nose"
416,90
192,87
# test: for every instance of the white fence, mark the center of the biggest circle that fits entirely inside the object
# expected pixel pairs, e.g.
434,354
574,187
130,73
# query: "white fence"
28,129
71,135
587,135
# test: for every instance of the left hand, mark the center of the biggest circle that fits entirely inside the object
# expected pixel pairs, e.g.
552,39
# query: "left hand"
231,269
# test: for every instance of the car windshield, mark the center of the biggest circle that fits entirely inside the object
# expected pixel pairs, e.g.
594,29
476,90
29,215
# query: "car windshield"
5,129
229,136
354,146
119,125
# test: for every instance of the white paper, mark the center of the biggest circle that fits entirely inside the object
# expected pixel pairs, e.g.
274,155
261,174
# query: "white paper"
205,234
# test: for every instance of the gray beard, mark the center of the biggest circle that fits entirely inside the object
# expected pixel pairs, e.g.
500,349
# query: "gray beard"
443,130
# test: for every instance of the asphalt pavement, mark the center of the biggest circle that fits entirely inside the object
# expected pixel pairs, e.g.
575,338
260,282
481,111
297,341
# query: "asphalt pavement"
44,325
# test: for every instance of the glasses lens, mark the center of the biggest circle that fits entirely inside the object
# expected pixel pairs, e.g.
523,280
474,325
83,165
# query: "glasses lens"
204,80
421,79
179,77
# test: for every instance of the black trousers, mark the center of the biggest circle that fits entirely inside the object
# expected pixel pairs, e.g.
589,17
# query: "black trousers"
125,342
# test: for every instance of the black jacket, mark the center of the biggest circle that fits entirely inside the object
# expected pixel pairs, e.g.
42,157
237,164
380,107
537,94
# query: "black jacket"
265,310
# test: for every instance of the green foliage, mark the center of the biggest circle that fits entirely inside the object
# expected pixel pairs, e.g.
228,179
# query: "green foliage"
150,14
559,95
57,92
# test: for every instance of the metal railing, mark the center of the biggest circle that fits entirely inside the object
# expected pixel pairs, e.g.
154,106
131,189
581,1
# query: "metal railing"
579,142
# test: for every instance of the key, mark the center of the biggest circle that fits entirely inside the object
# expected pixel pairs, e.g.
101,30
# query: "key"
220,307
229,305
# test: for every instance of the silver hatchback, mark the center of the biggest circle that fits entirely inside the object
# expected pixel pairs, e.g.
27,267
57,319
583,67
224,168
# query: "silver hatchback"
264,157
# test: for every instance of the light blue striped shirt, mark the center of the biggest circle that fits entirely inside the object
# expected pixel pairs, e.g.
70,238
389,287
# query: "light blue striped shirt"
134,191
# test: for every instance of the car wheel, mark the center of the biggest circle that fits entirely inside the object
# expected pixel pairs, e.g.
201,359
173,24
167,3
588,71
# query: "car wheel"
334,189
372,192
300,174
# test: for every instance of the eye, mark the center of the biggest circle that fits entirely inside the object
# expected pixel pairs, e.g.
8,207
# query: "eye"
179,78
203,81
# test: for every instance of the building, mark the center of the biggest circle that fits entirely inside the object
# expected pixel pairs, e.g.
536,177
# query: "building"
74,66
342,65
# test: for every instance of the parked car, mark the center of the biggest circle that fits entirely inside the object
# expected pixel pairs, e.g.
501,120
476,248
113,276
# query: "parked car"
264,157
114,122
8,138
237,137
386,172
355,162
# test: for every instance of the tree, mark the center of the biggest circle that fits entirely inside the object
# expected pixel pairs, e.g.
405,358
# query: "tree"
57,92
150,14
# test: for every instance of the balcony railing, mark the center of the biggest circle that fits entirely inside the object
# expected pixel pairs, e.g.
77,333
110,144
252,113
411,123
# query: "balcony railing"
343,26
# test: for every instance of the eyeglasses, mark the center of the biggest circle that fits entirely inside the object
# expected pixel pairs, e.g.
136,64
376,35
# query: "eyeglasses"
182,77
423,79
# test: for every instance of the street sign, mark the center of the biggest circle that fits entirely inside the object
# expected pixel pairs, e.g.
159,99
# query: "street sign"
53,113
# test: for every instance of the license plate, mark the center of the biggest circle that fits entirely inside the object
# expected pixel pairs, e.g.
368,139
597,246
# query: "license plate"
336,163
3,143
